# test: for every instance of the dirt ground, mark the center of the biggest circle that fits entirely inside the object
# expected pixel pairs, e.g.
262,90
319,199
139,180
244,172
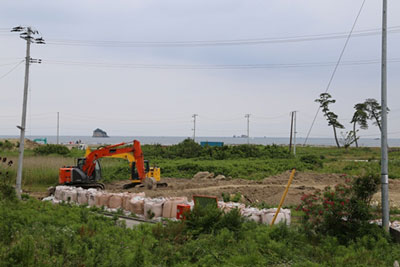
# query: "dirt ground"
268,190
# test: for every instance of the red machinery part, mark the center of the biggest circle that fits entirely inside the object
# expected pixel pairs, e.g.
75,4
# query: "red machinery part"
181,210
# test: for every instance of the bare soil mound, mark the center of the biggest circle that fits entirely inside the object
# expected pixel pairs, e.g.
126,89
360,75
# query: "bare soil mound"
29,144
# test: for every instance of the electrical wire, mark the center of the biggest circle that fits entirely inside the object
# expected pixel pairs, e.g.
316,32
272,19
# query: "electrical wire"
196,43
214,67
12,69
336,67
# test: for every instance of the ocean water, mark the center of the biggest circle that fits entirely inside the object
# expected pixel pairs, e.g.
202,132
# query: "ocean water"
171,140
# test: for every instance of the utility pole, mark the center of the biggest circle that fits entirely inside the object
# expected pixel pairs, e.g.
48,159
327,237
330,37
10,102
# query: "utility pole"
291,132
58,127
294,133
384,144
194,126
29,35
248,127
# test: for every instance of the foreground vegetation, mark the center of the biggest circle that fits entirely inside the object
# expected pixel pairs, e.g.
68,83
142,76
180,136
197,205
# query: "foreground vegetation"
187,158
34,233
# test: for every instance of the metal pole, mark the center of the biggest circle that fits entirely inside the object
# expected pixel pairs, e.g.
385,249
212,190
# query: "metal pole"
291,132
248,128
294,133
194,126
23,120
384,144
58,127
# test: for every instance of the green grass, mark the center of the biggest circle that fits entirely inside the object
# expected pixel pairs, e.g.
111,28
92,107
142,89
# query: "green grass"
42,171
34,233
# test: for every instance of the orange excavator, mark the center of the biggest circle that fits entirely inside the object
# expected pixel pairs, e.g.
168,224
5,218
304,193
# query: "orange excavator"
87,172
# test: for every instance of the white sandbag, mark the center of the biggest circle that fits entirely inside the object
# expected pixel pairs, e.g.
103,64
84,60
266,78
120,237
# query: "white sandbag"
233,205
59,192
252,214
136,205
102,199
70,196
170,206
284,216
82,196
49,198
153,208
91,195
128,196
115,201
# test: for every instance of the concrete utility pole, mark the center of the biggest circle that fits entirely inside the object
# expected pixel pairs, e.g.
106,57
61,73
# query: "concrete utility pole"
58,127
384,144
291,132
194,126
294,133
248,127
28,35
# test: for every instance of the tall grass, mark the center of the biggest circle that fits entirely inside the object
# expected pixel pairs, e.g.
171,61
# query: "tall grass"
39,170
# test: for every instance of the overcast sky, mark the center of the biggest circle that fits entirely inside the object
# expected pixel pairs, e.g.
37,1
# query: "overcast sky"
152,95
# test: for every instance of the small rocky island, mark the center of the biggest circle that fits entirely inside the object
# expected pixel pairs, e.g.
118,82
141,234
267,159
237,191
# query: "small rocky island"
99,133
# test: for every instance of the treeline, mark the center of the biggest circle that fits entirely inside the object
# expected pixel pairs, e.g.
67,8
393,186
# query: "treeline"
190,149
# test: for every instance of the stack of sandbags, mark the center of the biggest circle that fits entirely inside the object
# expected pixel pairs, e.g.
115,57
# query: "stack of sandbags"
170,206
59,192
153,207
70,195
82,197
101,199
91,195
267,216
252,214
232,205
136,205
127,197
115,201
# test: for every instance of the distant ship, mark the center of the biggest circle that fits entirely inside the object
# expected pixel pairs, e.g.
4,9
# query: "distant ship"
240,136
99,133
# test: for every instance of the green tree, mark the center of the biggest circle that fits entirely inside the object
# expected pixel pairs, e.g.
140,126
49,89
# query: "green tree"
360,117
324,100
374,111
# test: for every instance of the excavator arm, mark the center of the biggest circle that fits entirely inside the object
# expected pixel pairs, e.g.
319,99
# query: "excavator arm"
107,151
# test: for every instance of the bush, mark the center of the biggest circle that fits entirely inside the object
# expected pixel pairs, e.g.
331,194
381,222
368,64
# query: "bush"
6,145
343,211
51,149
7,191
312,160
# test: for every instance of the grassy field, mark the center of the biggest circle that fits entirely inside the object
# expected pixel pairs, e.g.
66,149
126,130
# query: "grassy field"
254,162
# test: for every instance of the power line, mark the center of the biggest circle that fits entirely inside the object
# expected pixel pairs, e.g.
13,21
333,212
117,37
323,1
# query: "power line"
336,67
197,43
12,69
215,66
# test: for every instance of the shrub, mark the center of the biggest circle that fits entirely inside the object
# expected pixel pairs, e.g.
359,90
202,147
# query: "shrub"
51,149
6,145
7,191
312,160
343,211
